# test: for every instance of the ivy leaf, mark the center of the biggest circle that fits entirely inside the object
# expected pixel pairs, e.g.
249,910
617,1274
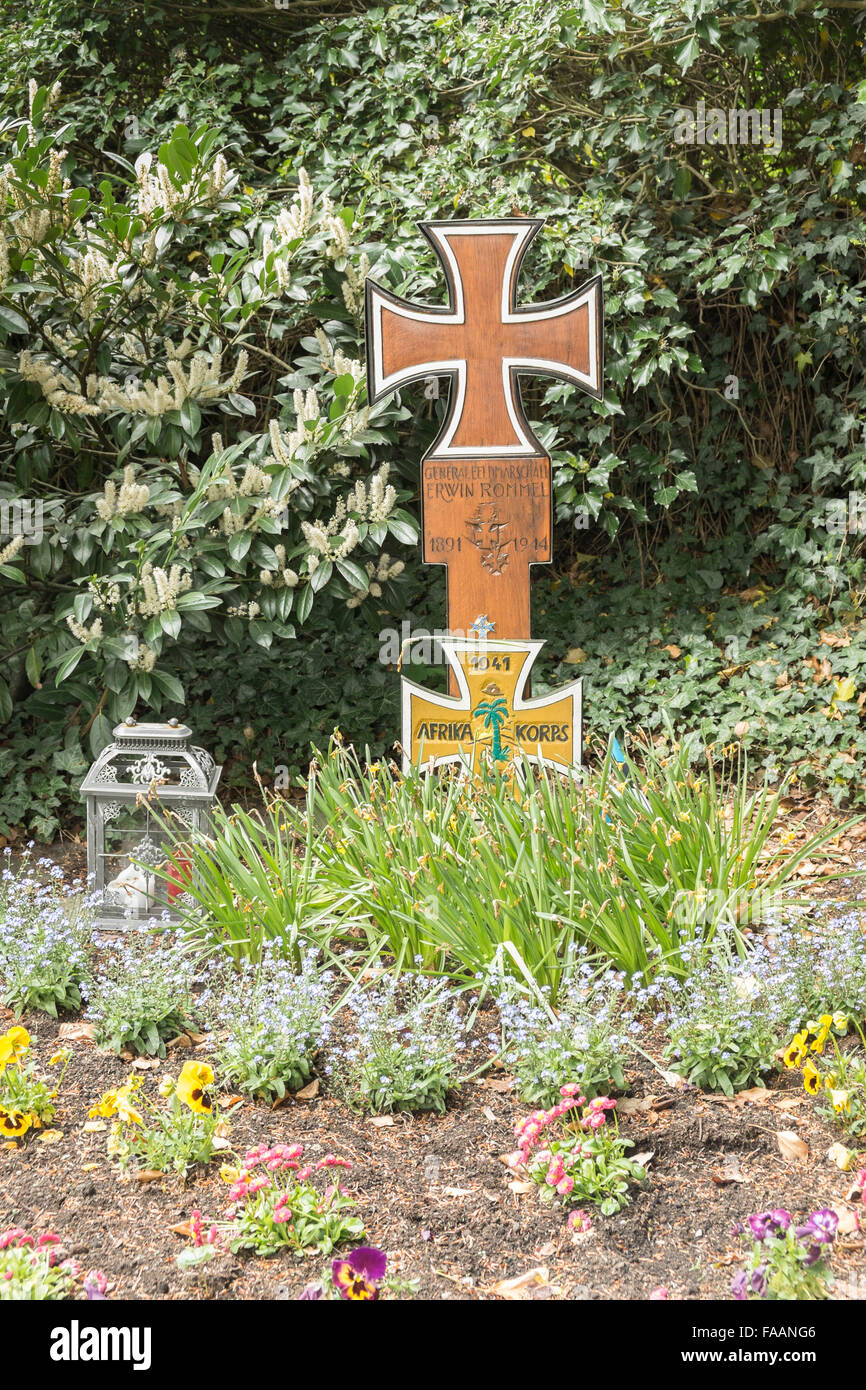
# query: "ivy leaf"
688,54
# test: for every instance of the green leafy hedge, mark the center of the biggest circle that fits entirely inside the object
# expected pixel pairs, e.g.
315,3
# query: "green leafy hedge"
731,425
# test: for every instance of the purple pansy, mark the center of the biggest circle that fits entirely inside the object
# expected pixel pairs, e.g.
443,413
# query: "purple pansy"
760,1224
824,1224
358,1275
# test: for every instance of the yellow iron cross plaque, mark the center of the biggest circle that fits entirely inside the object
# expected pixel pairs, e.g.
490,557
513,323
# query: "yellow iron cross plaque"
491,720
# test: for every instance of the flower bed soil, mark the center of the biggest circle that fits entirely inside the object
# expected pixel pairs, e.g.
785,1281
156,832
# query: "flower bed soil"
435,1193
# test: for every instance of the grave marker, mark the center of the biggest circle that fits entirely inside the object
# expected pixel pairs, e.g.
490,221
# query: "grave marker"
486,482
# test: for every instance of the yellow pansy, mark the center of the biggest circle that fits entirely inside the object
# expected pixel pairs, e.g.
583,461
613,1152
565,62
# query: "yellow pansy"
193,1086
105,1107
840,1022
124,1107
14,1123
840,1102
13,1045
795,1052
811,1078
820,1032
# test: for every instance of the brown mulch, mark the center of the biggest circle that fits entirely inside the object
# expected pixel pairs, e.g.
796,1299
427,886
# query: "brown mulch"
434,1192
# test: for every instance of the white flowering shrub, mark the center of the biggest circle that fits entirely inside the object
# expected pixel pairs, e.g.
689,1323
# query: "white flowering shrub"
182,383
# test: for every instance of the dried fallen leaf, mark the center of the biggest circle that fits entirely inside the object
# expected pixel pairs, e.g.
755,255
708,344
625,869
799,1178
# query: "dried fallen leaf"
518,1186
383,1121
523,1286
752,1094
673,650
220,1142
791,1145
94,1126
180,1041
308,1092
635,1105
148,1175
183,1228
674,1080
644,1158
457,1191
575,656
229,1102
76,1032
503,1083
849,1221
51,1136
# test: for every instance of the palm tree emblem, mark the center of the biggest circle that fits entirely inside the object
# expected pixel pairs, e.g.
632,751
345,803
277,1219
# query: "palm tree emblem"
495,712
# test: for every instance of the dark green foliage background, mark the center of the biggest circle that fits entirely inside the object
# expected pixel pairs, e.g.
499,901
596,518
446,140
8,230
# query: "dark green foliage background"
708,532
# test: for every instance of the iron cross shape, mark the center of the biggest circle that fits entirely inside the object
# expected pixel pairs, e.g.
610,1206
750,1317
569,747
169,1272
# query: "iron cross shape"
482,339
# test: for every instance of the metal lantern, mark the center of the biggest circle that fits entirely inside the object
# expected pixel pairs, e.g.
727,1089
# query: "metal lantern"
149,774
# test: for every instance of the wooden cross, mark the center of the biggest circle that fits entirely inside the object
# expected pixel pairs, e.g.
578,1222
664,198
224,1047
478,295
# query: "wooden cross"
485,482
